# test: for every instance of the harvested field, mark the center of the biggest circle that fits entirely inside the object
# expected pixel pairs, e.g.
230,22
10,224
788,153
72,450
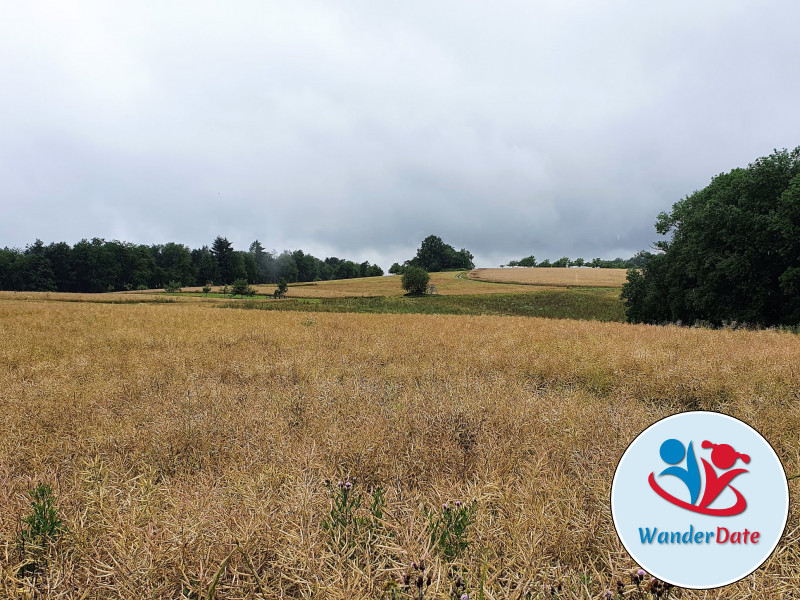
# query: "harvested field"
550,276
447,284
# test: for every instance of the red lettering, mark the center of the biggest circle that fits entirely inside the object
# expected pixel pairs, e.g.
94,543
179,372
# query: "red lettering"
736,537
720,539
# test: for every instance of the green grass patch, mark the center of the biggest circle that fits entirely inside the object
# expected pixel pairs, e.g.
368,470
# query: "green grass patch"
599,304
198,294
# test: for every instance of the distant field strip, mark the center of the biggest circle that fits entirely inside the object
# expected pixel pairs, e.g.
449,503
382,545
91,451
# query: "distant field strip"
574,276
447,284
600,304
587,303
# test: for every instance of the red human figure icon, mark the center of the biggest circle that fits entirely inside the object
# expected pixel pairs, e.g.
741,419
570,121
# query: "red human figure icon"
724,457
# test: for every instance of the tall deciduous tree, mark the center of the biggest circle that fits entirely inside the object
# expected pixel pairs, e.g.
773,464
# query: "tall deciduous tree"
434,255
731,251
206,264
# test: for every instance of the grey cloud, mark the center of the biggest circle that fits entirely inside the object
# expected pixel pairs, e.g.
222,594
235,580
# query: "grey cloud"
357,128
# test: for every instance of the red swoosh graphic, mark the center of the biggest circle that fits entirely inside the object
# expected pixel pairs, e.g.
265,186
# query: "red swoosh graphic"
737,508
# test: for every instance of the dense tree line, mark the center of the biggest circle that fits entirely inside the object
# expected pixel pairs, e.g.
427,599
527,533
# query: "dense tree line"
637,261
100,266
731,253
434,255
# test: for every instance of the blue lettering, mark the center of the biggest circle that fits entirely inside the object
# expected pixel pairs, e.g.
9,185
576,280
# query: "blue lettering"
722,535
687,537
647,538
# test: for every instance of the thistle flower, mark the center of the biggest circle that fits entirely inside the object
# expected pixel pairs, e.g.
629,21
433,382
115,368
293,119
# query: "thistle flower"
608,595
348,485
464,596
458,503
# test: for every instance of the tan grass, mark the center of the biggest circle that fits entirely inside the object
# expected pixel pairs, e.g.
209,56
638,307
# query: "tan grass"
148,296
447,284
170,433
553,276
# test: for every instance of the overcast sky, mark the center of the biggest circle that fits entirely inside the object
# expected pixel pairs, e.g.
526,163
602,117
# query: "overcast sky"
357,128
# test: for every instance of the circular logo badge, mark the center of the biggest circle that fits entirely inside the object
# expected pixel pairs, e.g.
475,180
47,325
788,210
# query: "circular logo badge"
700,500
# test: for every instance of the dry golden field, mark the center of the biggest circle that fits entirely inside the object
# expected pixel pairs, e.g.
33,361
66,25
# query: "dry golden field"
152,296
580,276
188,446
447,284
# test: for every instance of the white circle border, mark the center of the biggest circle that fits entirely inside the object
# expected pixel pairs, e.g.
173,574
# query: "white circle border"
785,488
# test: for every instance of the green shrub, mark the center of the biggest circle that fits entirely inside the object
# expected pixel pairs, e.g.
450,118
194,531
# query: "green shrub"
415,280
280,291
350,525
240,287
448,528
40,528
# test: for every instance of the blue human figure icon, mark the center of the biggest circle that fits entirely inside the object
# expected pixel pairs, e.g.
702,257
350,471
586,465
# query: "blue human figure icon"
672,452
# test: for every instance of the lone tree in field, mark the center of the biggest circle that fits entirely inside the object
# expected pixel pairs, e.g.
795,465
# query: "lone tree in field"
415,280
240,287
733,253
280,291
